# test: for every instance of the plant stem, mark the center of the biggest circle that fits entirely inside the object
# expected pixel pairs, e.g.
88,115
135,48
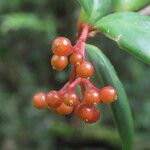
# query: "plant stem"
80,45
63,89
72,75
83,88
89,84
81,81
80,48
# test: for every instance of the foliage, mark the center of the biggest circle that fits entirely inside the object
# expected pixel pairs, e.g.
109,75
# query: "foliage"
18,21
95,9
130,31
129,5
123,119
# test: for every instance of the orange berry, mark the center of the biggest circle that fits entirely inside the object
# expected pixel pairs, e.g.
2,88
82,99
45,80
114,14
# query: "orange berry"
76,58
108,94
64,109
59,62
91,97
53,99
38,100
87,114
85,69
62,46
70,99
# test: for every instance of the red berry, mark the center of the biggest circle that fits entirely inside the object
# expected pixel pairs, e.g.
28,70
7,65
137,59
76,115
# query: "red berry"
62,46
70,99
76,58
91,97
108,94
53,99
38,100
59,62
87,114
64,109
85,69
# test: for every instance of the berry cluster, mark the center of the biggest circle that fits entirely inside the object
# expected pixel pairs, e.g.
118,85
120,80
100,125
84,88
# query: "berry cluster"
66,100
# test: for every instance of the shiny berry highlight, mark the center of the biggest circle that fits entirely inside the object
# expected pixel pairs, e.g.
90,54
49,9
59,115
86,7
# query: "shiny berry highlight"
62,46
85,69
38,100
59,62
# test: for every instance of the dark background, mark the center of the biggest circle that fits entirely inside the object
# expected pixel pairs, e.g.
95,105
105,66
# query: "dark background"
27,29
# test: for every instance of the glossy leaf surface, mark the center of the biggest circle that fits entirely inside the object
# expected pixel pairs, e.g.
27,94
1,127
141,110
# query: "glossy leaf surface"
129,5
130,30
120,108
94,9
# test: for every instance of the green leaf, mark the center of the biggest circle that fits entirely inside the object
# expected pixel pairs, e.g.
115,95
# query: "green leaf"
129,5
86,5
94,9
130,30
84,16
120,109
17,21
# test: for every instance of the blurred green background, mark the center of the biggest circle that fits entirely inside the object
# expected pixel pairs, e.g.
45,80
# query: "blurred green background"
27,29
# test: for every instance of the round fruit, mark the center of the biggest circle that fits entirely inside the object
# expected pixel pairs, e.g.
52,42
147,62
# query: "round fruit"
53,99
76,58
70,99
38,100
85,69
108,94
87,114
59,62
62,46
64,109
91,97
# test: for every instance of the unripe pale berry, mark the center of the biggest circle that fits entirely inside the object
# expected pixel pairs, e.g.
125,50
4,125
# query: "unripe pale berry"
108,94
91,97
76,58
62,46
70,99
38,100
87,114
59,62
85,69
53,99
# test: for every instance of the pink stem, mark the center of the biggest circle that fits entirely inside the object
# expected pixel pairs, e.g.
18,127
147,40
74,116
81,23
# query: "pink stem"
79,47
70,86
82,82
83,88
89,84
73,74
64,87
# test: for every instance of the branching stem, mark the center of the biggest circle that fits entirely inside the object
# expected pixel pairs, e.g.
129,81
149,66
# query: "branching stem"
74,80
